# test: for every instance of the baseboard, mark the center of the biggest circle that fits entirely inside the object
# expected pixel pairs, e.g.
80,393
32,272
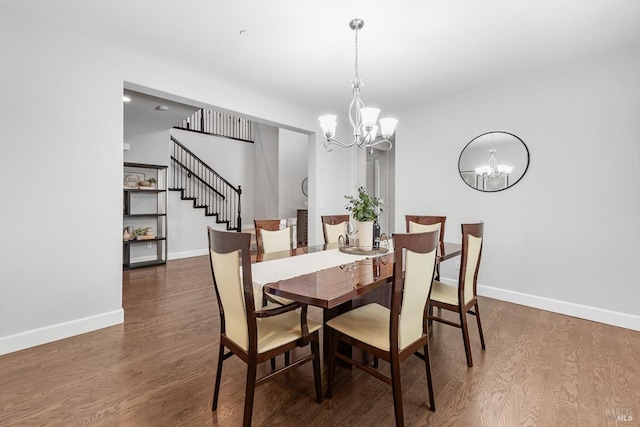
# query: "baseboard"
623,320
187,254
59,331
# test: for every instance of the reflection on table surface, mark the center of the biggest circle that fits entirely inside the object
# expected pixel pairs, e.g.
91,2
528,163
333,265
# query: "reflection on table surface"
332,286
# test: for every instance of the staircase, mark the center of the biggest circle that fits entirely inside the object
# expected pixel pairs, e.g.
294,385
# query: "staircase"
209,191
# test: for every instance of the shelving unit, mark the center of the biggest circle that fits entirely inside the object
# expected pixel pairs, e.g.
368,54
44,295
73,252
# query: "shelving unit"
143,208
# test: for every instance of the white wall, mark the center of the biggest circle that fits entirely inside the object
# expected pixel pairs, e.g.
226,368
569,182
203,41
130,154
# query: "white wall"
292,170
62,115
266,173
332,175
565,237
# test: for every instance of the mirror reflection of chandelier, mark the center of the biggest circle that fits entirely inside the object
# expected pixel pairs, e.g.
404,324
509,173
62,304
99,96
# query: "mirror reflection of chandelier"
493,169
363,120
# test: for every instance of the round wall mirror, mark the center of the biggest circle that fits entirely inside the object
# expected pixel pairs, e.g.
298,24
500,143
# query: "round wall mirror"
493,161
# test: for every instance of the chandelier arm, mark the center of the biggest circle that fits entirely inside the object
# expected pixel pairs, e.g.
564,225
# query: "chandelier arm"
371,144
366,140
329,141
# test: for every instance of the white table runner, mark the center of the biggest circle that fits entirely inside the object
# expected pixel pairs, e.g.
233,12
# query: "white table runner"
286,268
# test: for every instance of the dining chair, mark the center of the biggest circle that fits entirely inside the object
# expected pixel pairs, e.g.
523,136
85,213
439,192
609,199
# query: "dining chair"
255,336
270,239
333,227
392,334
269,236
462,298
426,223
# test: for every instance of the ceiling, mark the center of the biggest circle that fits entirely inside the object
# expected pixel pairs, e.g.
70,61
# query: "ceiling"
145,109
302,51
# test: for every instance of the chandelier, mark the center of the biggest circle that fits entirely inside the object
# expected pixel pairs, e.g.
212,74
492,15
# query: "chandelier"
493,169
363,119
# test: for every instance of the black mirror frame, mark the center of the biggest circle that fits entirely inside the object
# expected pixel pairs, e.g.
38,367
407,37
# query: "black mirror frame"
508,186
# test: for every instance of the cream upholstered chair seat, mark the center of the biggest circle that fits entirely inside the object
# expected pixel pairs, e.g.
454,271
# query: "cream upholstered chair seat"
276,331
334,231
368,323
279,330
444,293
397,333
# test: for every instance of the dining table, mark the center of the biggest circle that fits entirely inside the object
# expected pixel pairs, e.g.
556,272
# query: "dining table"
332,277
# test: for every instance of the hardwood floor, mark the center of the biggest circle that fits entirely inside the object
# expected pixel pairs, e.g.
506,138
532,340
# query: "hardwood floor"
157,369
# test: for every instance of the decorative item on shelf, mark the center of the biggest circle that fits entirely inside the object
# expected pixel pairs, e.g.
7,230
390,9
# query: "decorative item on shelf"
125,235
141,233
148,184
365,210
132,180
363,120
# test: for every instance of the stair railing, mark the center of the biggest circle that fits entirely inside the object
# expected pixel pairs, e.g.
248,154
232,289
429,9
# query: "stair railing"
208,190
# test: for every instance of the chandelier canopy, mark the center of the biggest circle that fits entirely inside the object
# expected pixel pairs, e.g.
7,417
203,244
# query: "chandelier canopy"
363,119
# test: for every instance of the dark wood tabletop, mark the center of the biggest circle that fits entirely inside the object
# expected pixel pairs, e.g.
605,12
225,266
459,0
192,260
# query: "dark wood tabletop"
331,287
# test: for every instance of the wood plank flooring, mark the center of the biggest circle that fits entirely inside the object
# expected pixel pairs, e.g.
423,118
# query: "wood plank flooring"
157,369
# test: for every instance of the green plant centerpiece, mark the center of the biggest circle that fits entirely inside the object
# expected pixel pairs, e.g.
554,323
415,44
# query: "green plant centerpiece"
365,210
364,207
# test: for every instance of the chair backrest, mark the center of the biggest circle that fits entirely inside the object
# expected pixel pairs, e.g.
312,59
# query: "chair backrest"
472,238
415,261
275,242
426,223
230,257
333,226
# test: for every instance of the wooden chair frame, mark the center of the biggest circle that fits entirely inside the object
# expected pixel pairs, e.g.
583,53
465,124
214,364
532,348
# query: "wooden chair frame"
418,242
332,220
429,220
471,307
225,242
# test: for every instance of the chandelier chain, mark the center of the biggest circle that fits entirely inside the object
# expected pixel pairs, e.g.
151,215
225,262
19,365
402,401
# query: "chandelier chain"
357,77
